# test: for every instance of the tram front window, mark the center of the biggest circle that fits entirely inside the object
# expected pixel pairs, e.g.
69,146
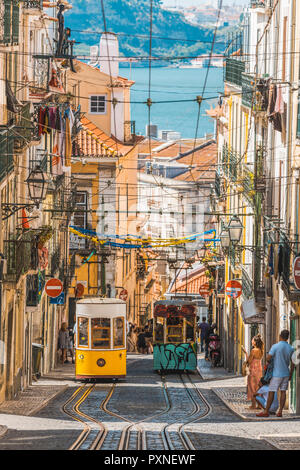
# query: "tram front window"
174,330
100,333
83,337
119,332
190,328
159,330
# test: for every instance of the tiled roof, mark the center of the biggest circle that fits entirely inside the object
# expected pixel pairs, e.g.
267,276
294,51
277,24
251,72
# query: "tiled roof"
92,141
203,162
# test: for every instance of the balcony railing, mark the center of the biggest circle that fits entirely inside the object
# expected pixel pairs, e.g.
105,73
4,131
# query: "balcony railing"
21,254
6,153
233,71
33,4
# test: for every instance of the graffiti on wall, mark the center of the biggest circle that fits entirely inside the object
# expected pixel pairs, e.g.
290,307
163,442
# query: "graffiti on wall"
181,356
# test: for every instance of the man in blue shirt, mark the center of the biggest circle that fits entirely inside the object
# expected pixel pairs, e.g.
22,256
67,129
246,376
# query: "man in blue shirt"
204,328
282,353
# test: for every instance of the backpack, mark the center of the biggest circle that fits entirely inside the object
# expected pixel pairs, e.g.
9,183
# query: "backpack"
266,378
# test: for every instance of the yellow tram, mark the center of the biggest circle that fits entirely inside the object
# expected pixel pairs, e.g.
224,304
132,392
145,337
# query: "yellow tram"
100,338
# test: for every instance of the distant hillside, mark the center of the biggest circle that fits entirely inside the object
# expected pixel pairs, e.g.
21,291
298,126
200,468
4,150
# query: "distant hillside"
130,18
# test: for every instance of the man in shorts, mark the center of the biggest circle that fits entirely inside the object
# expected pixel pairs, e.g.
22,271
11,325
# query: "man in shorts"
282,353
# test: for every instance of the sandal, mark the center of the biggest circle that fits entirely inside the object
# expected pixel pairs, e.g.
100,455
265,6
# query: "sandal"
263,414
279,414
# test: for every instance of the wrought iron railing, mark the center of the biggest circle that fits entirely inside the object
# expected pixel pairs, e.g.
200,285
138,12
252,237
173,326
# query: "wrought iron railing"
55,262
22,255
33,4
6,154
247,285
233,71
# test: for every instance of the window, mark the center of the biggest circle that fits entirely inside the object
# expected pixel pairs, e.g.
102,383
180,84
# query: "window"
174,330
101,333
158,330
119,332
98,104
190,329
83,333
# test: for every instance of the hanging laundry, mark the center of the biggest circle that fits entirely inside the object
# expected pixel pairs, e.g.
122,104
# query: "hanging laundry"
56,158
25,223
279,105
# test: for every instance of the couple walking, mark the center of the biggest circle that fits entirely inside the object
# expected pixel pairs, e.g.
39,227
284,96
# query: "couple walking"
280,355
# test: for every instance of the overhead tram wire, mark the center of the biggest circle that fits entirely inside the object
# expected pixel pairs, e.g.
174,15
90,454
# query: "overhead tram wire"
200,98
110,74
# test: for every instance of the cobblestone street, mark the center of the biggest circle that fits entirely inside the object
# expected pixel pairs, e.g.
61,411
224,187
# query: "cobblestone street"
205,412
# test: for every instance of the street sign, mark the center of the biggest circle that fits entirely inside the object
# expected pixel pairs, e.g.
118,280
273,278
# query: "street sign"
60,300
204,289
123,294
296,271
233,289
53,287
79,290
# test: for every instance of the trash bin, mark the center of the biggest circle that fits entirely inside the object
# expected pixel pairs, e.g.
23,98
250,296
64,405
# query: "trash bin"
37,350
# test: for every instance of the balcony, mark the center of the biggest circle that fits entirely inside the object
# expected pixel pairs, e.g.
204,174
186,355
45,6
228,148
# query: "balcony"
55,262
32,5
6,152
21,254
253,93
230,162
233,71
247,285
24,129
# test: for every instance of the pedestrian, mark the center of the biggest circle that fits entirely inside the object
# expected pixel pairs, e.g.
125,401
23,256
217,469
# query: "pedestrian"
255,368
203,327
63,342
283,369
210,331
141,342
261,397
71,343
148,339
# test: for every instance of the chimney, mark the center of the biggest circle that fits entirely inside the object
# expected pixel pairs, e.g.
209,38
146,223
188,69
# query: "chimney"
109,54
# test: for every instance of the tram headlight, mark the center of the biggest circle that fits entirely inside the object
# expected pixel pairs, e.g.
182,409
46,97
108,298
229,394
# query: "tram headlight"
101,362
81,356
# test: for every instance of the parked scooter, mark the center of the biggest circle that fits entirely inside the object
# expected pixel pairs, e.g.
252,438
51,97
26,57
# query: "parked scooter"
214,349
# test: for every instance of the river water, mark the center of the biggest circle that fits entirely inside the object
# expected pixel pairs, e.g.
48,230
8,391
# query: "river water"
180,85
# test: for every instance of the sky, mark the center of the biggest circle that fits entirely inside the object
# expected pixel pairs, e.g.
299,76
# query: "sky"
188,3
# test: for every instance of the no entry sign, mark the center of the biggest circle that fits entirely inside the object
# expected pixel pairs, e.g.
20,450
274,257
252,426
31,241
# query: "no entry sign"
296,271
233,289
53,287
204,289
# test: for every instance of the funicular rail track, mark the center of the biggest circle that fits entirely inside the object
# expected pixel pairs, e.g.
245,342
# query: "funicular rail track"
170,436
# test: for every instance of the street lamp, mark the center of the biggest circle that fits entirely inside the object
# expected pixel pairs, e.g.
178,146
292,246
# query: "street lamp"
37,185
225,239
235,229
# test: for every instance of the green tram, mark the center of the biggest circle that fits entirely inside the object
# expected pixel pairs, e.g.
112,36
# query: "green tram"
174,335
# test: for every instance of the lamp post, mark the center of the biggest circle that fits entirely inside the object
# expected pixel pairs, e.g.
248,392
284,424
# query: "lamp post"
235,229
37,189
37,185
225,239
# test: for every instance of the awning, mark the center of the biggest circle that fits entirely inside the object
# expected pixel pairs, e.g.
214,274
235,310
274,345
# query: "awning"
251,313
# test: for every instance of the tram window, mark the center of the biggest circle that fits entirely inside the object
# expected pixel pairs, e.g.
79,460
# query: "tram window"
119,332
159,329
83,335
101,333
175,330
190,329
